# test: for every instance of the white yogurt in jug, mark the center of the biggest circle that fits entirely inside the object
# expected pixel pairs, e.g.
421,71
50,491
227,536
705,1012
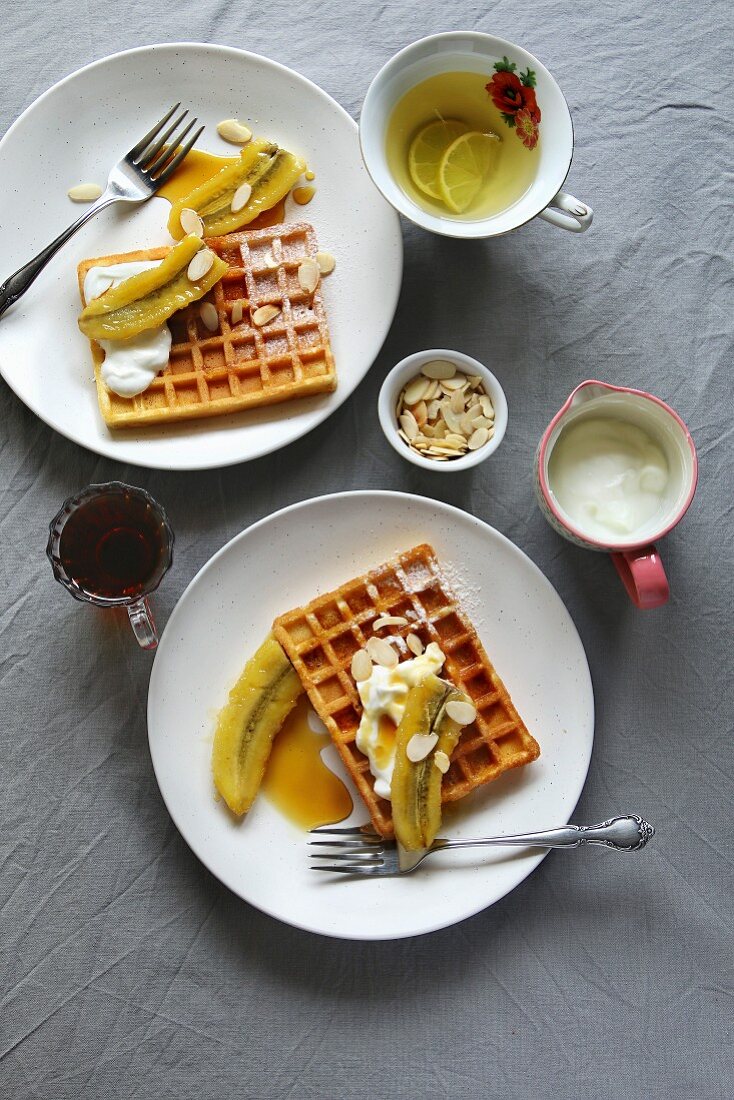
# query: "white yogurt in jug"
609,476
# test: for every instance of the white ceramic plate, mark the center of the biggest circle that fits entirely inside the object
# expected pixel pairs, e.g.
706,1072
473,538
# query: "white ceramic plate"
283,561
76,131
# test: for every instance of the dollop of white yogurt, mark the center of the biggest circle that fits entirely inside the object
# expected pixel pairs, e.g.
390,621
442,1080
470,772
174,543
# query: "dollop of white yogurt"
609,476
129,366
383,696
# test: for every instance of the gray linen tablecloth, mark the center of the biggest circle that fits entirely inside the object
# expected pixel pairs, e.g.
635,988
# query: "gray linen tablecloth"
127,970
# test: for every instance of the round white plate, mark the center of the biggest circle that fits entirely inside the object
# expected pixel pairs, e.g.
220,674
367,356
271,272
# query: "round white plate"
282,562
76,131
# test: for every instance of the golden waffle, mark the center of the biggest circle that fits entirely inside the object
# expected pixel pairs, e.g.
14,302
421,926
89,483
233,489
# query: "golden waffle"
240,365
322,637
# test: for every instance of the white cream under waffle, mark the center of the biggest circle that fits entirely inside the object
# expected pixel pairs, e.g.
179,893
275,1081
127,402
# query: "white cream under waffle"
237,365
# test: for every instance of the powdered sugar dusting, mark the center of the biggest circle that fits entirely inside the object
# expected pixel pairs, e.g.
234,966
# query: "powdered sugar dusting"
468,593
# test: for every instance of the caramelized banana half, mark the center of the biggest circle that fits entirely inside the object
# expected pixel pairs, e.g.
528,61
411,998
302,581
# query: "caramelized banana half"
147,300
416,784
258,704
269,171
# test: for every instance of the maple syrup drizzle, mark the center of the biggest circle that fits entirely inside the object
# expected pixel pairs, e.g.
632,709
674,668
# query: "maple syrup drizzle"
196,169
297,781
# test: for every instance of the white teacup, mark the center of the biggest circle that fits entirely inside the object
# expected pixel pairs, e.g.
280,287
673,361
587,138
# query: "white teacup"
470,51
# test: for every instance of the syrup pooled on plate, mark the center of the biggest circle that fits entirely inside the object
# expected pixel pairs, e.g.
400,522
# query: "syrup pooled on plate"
297,781
196,169
113,546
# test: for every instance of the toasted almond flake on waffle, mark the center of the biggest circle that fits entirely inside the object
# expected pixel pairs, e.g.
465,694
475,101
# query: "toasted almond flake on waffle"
322,637
209,316
238,367
361,667
309,275
264,314
200,264
420,745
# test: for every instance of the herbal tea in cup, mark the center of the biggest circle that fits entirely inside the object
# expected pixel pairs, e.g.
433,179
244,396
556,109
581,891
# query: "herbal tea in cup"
468,135
465,144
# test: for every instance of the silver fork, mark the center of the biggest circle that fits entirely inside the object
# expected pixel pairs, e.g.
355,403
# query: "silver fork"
361,852
135,178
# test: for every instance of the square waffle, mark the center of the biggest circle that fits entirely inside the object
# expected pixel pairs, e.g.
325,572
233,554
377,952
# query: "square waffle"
240,365
322,637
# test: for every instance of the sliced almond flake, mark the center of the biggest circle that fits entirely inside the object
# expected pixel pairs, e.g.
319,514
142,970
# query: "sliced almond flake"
452,420
441,760
457,402
209,316
449,452
490,431
240,198
439,368
475,381
402,435
325,260
433,389
478,439
191,223
450,385
389,620
233,131
459,440
433,409
409,424
308,275
420,745
415,391
200,264
473,401
487,407
264,314
382,653
84,192
414,644
419,411
461,712
237,312
441,429
467,425
361,665
482,422
270,261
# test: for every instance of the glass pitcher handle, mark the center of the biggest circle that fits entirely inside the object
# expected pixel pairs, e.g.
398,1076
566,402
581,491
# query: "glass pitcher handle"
143,624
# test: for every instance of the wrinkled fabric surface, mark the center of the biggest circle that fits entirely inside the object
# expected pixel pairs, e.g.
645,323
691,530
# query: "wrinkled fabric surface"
127,970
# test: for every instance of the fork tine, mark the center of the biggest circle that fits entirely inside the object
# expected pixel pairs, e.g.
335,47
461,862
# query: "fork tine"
151,151
356,830
137,149
366,858
350,870
355,845
160,162
183,152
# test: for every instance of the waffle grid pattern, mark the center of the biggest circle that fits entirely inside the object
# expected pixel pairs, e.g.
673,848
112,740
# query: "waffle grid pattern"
240,365
321,638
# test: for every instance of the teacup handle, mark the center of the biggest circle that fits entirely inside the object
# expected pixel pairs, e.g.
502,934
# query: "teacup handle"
568,213
143,624
643,576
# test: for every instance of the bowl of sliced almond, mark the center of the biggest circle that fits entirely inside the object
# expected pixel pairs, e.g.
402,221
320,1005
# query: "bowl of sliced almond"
442,410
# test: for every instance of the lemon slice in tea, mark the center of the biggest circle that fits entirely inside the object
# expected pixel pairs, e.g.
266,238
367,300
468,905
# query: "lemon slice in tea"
426,150
464,168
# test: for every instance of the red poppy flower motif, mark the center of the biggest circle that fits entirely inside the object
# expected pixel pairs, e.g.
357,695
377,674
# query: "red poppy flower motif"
530,103
526,128
507,92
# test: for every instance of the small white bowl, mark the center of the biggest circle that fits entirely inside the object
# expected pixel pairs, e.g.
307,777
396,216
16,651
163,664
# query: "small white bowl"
408,368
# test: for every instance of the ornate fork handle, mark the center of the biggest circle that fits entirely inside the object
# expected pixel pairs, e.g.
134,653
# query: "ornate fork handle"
16,284
625,834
